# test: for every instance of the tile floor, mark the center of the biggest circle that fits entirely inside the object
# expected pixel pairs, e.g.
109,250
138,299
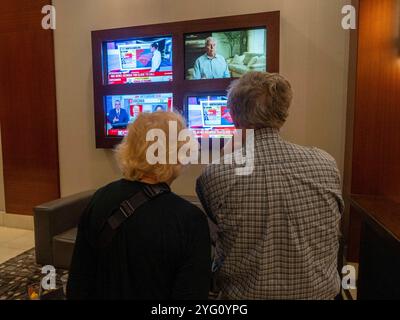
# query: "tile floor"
14,241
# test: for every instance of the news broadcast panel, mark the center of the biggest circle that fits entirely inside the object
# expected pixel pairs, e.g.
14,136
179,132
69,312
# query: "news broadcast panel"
139,60
225,54
194,61
209,117
121,110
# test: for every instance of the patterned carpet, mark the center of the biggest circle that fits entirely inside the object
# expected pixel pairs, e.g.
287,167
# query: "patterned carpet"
20,272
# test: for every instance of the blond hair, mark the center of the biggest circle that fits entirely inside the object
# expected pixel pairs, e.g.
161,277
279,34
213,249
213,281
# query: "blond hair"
131,154
259,100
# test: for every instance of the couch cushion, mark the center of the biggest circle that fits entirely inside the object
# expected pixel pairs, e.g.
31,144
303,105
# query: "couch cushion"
68,236
238,59
249,56
63,248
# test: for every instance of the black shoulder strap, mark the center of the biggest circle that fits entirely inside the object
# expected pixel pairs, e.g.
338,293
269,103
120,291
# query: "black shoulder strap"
127,208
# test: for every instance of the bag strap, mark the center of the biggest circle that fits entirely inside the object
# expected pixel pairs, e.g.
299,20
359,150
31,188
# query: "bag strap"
127,208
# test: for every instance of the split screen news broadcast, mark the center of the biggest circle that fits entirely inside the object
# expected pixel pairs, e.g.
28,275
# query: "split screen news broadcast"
139,60
121,110
209,117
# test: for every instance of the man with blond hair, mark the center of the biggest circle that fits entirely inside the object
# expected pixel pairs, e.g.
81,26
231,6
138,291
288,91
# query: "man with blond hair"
278,232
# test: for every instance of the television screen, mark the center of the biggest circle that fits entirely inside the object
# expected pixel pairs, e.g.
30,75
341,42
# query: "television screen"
208,117
121,110
139,60
226,54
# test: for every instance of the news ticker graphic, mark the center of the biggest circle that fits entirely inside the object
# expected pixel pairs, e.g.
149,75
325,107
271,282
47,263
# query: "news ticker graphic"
120,77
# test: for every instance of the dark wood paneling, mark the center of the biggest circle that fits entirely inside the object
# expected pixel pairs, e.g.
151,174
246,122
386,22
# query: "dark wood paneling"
376,150
383,212
376,132
378,277
28,107
351,99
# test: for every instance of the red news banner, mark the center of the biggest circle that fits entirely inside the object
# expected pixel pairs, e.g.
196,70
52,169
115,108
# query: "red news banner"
137,76
117,132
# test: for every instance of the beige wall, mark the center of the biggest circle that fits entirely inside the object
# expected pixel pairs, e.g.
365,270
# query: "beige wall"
314,56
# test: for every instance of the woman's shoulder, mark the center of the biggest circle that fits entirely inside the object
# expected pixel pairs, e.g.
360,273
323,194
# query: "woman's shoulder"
114,192
119,190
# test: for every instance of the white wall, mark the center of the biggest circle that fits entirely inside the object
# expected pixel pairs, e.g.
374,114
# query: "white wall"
314,57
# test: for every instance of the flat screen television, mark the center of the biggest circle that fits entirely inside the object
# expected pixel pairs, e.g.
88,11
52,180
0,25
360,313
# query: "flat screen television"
139,60
207,116
121,110
225,54
134,65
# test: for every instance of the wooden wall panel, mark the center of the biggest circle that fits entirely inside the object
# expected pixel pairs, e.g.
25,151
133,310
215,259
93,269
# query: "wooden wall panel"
27,107
351,94
376,151
376,124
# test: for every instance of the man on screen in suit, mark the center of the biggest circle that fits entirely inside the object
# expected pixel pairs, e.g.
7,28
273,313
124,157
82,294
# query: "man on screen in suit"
118,115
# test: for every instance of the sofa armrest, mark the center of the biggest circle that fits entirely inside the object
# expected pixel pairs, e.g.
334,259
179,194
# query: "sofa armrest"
55,217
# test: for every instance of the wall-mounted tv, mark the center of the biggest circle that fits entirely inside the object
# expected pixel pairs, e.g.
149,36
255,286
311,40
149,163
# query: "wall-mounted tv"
121,110
225,54
139,69
208,116
139,60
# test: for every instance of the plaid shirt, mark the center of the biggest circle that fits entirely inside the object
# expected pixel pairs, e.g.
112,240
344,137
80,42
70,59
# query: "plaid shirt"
278,228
